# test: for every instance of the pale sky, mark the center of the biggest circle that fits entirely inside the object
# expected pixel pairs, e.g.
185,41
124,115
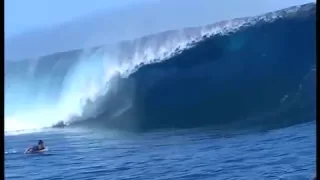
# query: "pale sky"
24,15
38,27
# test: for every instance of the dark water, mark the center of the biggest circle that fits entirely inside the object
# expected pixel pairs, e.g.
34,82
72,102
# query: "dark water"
232,100
287,153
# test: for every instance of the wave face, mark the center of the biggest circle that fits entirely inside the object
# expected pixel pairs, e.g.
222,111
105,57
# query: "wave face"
247,71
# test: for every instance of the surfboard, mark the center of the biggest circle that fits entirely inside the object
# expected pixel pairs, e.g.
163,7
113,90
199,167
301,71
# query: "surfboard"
40,151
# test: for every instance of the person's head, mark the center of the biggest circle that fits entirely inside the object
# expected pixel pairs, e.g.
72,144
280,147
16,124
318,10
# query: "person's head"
40,142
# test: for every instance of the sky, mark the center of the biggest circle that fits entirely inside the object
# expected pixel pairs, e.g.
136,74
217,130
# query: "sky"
21,15
40,27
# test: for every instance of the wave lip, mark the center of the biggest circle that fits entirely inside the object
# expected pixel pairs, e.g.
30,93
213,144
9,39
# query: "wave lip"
216,74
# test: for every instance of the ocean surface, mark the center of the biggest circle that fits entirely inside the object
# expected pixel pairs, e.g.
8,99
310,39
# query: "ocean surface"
287,153
230,100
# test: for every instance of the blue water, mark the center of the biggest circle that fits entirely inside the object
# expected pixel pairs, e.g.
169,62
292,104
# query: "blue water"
287,153
231,100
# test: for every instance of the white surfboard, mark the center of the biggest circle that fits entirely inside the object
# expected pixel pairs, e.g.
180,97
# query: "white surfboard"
40,151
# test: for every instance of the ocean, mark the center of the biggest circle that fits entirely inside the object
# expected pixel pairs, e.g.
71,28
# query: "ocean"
230,100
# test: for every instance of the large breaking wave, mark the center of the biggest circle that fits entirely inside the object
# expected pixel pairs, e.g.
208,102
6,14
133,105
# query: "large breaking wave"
256,70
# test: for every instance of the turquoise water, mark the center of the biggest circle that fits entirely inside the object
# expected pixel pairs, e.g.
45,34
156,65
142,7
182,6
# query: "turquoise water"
287,153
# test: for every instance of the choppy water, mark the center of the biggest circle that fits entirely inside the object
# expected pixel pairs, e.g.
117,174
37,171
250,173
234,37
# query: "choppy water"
185,154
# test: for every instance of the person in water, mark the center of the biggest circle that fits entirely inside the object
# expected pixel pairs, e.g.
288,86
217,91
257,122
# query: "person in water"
38,147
